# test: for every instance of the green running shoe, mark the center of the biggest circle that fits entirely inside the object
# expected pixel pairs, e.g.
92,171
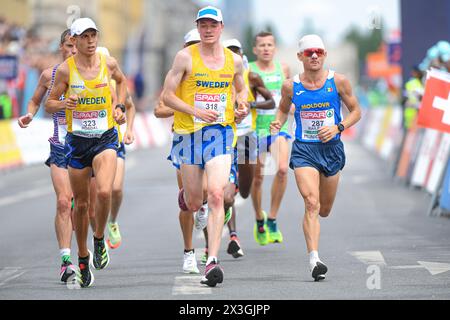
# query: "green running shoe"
261,235
275,235
228,215
115,239
204,257
101,256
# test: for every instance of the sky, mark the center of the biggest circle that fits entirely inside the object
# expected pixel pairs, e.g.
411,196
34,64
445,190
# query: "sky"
332,17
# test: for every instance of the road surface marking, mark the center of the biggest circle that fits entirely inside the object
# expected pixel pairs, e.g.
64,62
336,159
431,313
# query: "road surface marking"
188,285
8,274
369,257
26,195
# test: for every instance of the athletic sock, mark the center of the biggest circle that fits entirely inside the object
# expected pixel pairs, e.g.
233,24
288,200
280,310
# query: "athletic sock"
260,224
313,259
211,259
272,224
65,254
233,234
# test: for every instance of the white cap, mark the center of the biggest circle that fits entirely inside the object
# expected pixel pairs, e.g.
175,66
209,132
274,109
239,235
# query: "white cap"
81,25
210,12
103,50
232,43
311,41
191,36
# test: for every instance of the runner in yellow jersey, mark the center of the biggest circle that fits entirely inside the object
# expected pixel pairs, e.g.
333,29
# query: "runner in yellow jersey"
91,141
205,124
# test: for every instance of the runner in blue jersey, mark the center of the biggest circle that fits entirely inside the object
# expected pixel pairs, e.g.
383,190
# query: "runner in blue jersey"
317,153
57,161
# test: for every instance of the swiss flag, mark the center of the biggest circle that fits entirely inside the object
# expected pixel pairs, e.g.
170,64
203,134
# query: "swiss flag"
434,112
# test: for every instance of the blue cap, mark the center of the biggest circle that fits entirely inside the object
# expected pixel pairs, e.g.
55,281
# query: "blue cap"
210,12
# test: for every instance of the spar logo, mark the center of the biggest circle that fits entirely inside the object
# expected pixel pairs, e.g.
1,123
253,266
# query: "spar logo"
314,115
102,114
86,115
223,97
202,97
330,114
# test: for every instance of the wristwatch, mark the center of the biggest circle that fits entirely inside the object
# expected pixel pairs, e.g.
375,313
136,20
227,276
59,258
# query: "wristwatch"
252,105
121,106
341,127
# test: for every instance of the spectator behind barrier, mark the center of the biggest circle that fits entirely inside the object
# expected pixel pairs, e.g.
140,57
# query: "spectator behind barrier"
5,106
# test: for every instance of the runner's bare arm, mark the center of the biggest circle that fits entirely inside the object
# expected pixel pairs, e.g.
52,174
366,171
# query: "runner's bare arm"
284,108
345,91
258,86
181,67
286,70
163,111
241,90
121,81
130,115
59,88
36,100
121,88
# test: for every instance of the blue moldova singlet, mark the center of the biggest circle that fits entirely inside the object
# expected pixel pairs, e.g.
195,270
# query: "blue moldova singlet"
315,109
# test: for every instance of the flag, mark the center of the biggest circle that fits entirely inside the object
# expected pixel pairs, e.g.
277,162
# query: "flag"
434,112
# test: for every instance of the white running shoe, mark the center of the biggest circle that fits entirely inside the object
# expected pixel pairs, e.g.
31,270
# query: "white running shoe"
201,217
190,263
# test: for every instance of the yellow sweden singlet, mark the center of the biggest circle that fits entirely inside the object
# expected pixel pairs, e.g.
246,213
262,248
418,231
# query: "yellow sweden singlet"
206,89
113,85
93,114
250,99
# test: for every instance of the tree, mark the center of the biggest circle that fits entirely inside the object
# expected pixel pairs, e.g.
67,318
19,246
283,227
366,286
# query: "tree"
365,42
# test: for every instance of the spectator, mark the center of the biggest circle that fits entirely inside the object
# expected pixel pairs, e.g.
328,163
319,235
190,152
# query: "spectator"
5,106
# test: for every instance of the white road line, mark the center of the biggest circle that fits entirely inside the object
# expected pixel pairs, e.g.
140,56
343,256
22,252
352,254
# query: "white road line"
433,268
369,257
189,285
8,274
30,194
407,267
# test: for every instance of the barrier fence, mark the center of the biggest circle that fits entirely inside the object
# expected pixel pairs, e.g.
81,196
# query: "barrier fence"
21,147
419,156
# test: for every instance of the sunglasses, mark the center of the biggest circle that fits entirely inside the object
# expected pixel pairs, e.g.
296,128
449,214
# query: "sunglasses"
310,52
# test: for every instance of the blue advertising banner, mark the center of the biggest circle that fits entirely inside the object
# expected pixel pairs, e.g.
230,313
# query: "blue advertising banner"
444,202
8,67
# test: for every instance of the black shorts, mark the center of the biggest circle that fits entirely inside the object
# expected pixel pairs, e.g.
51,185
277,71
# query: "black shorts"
80,151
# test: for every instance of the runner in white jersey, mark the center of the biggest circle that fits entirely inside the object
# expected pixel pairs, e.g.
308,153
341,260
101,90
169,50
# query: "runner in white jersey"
57,161
247,145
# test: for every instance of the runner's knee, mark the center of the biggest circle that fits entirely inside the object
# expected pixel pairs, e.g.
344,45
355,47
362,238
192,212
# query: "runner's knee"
82,206
63,205
117,193
194,204
258,181
215,198
312,204
104,194
325,211
282,171
228,200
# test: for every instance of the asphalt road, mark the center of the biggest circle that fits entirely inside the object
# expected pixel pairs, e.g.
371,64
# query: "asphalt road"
378,243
